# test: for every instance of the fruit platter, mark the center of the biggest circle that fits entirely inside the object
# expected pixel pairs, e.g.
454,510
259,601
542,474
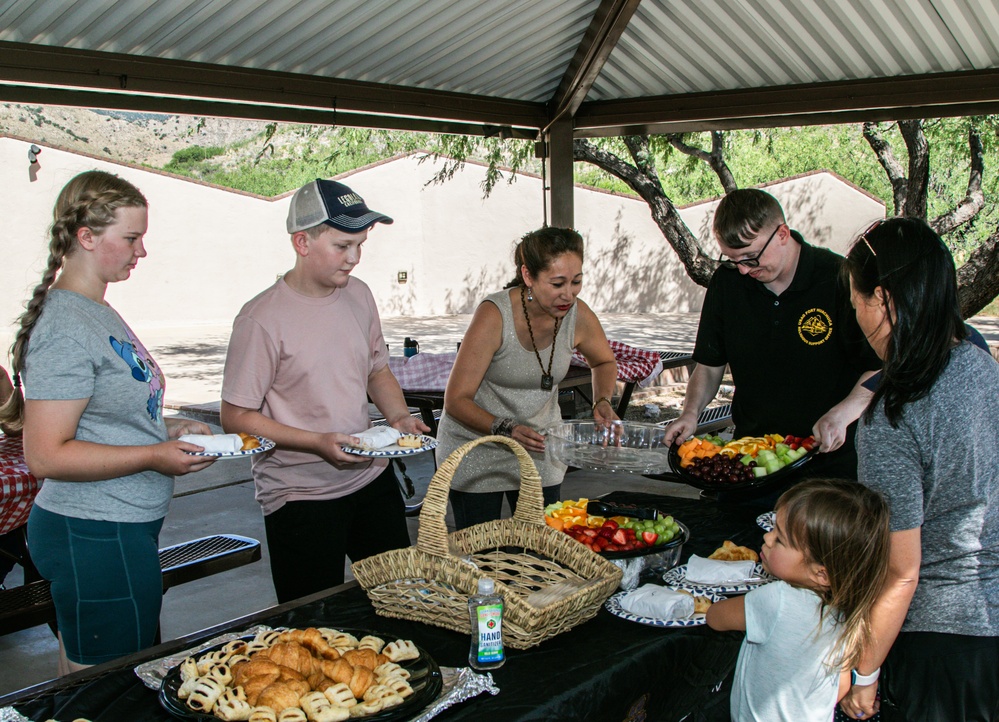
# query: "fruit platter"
620,535
751,462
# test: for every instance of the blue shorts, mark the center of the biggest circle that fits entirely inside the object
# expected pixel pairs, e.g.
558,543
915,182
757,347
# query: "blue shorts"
106,582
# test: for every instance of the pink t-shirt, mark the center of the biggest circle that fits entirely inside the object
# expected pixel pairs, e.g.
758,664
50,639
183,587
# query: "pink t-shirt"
305,362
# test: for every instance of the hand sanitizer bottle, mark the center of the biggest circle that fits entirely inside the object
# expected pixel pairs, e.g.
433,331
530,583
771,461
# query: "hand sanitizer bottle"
485,610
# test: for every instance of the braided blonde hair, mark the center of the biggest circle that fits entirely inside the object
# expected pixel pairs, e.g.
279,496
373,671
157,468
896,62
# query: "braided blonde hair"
89,200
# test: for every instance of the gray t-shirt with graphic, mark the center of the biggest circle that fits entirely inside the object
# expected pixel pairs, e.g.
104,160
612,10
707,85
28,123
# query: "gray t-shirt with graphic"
939,471
81,349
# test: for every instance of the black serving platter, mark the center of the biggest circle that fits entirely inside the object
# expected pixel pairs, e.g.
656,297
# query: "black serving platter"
755,485
425,679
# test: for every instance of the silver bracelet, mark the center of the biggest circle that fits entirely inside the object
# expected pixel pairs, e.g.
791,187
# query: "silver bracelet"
502,426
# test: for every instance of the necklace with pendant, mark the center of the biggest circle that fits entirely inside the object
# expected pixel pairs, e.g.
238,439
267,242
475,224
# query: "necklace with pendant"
547,380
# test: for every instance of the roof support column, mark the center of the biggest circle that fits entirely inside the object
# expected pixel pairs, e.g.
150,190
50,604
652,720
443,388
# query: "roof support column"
559,141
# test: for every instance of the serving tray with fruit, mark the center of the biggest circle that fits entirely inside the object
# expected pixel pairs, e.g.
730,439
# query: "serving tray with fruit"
617,532
710,462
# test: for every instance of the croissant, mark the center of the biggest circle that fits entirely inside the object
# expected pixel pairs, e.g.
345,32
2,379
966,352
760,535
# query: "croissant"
279,696
364,658
339,670
293,655
253,686
244,670
360,681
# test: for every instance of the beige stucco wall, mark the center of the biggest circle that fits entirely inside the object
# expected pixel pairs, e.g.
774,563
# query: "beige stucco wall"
210,250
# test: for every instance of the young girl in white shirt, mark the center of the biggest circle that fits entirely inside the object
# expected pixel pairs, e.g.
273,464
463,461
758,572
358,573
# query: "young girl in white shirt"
806,632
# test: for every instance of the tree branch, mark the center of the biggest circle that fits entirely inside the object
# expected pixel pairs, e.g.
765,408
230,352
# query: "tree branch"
978,278
715,159
919,168
974,198
893,169
643,179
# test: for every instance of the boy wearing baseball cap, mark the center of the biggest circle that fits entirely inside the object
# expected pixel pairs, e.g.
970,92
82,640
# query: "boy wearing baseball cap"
303,359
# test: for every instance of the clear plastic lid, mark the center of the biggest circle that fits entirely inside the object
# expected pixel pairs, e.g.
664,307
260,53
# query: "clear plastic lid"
486,585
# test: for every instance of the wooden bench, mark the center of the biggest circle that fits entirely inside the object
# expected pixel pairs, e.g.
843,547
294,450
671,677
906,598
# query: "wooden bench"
31,604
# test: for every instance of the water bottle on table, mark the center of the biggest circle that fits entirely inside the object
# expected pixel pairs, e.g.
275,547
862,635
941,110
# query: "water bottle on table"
410,347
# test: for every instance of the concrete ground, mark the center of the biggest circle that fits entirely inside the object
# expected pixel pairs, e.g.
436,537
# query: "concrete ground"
220,499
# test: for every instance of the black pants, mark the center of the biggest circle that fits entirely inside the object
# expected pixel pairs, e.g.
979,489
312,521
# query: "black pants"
471,508
309,541
941,677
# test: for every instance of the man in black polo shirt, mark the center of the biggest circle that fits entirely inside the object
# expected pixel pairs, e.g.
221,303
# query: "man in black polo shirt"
777,314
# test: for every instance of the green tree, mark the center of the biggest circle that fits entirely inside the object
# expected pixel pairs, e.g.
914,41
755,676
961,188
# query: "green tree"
669,170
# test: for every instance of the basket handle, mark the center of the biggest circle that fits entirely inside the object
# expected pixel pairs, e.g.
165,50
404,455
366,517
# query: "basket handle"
432,536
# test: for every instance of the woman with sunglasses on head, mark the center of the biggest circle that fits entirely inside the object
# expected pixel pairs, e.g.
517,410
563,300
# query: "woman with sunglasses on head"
505,379
929,440
777,315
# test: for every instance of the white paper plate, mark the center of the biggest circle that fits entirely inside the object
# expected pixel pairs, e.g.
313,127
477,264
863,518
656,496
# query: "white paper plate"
613,605
766,521
677,577
265,445
429,443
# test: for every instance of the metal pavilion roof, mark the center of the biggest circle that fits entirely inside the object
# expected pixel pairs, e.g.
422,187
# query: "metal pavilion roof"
494,66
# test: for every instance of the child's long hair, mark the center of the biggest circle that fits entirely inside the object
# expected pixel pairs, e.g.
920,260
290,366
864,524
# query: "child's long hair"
89,200
843,526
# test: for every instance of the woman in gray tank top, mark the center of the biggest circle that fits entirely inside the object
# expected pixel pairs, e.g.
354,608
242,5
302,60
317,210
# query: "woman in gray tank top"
505,380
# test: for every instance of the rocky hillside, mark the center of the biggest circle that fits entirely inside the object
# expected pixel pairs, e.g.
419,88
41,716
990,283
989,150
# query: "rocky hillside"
142,138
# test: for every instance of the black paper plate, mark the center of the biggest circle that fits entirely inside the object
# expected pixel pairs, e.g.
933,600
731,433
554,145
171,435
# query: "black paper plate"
682,537
757,484
425,679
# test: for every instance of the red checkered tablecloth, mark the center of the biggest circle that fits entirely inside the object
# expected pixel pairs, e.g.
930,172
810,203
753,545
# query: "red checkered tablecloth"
17,486
633,364
429,371
424,371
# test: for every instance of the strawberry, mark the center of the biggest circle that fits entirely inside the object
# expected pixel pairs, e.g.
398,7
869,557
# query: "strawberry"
629,532
605,532
612,548
649,537
620,538
610,524
589,533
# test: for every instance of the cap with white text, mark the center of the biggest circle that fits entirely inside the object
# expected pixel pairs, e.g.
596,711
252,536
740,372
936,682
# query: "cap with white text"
332,203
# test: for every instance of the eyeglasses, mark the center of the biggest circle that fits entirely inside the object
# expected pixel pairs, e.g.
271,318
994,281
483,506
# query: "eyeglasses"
753,261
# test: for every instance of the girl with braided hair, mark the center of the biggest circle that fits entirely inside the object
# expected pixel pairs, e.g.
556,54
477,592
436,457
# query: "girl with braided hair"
89,399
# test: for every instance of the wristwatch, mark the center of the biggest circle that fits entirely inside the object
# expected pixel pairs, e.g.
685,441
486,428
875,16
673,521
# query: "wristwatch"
862,680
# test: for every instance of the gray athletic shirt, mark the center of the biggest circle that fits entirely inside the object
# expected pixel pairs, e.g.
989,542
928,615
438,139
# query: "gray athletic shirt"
940,471
81,349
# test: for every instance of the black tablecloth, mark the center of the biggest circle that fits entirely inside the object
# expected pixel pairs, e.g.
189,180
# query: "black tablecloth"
605,669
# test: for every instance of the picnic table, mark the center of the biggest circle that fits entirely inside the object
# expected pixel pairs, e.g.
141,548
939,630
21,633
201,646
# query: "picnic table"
608,668
425,374
17,486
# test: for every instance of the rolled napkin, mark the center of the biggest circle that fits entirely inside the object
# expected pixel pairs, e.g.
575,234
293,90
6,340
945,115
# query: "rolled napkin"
713,571
378,437
215,443
656,602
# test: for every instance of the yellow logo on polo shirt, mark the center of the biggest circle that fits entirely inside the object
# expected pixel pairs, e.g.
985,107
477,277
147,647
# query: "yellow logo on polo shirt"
815,326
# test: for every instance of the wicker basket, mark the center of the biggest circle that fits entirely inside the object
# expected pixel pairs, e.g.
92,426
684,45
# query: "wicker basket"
549,582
